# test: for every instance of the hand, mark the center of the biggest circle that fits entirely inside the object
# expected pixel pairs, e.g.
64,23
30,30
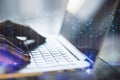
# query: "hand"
14,32
12,58
10,51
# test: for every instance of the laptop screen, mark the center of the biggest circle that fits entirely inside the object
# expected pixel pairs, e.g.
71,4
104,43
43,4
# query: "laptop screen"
86,22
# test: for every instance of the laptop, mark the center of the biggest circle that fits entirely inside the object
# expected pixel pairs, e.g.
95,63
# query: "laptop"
66,51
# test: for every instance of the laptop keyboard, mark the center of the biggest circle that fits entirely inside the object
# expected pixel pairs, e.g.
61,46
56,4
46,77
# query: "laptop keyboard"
49,55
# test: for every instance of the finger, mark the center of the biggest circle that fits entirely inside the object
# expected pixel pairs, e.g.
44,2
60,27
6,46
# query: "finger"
11,29
18,43
8,28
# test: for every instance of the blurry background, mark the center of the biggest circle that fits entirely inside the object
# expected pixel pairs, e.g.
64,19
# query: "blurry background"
45,16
